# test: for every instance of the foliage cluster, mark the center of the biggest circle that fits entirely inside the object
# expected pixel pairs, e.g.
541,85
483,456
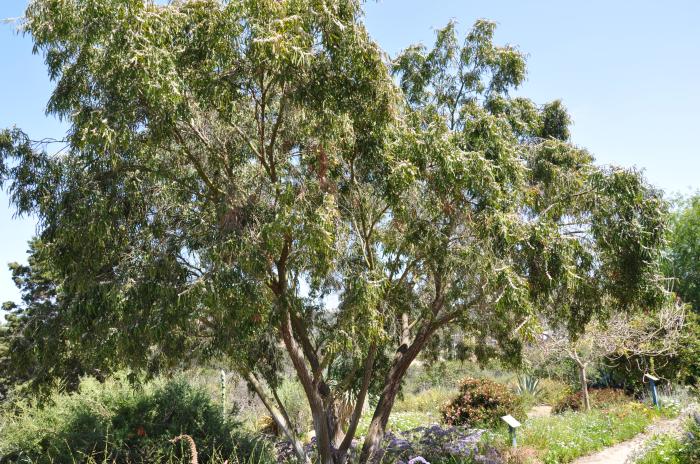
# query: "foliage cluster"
430,400
116,421
481,403
446,374
599,397
553,391
684,252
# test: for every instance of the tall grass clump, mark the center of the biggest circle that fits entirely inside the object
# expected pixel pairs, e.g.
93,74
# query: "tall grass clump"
117,422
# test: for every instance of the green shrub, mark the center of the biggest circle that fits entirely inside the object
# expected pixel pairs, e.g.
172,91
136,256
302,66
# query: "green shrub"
115,422
481,403
553,391
691,451
599,398
529,390
663,448
448,374
528,385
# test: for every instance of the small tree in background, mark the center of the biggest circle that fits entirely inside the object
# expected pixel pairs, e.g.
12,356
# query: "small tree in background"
644,335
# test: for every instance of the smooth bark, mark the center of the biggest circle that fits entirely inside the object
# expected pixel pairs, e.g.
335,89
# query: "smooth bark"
584,387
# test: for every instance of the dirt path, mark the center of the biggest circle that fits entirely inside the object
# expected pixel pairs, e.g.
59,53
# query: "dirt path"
540,411
619,454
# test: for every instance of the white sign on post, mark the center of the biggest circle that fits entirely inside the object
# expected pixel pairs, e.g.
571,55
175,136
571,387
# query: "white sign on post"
511,421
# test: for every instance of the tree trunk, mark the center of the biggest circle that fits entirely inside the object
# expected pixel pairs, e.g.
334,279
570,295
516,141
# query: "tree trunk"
316,393
324,440
402,360
359,403
279,416
584,387
377,428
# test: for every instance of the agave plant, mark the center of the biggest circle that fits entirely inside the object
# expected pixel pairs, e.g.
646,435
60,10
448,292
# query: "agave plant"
528,385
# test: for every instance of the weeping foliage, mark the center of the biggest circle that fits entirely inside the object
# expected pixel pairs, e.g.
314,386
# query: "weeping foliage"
238,174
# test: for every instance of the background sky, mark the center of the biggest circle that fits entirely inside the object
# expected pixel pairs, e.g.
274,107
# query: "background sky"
626,70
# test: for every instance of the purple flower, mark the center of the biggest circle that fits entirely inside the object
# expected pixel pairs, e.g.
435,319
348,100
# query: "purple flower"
418,460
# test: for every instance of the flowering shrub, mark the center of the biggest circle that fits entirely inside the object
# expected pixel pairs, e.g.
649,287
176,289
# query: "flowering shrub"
432,444
481,403
599,398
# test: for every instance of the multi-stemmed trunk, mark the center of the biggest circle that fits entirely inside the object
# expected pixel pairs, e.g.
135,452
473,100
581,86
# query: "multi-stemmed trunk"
332,442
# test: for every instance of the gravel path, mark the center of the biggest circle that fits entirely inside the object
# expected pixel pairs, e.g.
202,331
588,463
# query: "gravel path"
620,453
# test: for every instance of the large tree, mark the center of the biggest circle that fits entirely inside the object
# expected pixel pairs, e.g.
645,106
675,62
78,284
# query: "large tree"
234,169
34,352
683,263
682,266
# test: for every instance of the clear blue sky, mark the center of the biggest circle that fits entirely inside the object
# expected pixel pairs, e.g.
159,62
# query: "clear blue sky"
627,70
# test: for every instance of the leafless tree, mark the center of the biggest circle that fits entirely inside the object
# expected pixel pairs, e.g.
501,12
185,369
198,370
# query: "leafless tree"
623,334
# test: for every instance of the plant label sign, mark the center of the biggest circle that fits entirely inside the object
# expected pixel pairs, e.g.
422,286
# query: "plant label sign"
652,384
511,421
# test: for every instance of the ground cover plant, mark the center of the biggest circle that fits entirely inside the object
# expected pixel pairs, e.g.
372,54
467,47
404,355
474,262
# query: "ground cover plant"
666,449
674,448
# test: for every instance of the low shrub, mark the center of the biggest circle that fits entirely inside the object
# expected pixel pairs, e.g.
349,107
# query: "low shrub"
434,444
115,422
481,403
529,390
663,448
691,452
599,398
447,374
553,391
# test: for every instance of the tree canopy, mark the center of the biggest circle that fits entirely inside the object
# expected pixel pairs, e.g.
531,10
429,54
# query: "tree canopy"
683,260
232,169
